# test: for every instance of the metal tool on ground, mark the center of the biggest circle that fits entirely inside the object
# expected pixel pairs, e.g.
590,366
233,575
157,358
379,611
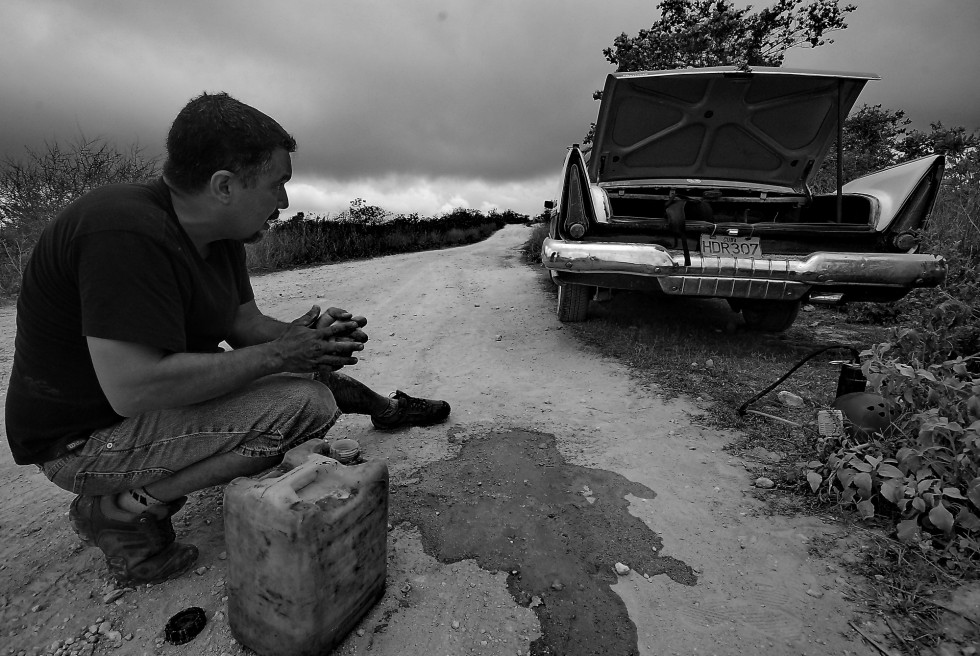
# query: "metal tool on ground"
851,379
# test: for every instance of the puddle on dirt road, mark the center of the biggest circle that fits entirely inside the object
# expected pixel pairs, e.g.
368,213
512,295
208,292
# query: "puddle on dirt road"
512,503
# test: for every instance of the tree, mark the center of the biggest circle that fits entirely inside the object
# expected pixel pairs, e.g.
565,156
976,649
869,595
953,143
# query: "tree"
872,140
695,33
953,142
361,212
961,148
33,191
875,138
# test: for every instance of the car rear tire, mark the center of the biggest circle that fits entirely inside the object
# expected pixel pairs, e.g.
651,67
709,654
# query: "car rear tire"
769,316
573,302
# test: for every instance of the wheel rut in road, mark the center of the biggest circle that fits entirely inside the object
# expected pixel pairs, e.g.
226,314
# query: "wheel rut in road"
512,503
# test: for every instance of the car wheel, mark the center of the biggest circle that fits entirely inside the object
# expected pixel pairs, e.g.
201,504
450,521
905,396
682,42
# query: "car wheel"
769,316
573,302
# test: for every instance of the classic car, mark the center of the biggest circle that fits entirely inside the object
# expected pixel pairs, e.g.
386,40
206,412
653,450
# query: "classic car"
698,183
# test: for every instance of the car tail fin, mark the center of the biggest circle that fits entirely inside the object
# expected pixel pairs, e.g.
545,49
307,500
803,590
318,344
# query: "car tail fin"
906,192
576,212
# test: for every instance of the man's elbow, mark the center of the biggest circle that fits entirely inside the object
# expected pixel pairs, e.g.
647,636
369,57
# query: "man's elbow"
124,410
126,404
128,374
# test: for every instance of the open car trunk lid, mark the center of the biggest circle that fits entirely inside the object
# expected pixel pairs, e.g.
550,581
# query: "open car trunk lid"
768,126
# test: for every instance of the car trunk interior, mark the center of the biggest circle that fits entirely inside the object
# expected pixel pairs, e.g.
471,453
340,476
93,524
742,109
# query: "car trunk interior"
749,210
787,224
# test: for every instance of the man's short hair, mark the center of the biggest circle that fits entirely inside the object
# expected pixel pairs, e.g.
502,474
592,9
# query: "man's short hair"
215,132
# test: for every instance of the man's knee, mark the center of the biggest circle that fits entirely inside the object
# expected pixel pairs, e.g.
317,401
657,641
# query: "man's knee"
305,400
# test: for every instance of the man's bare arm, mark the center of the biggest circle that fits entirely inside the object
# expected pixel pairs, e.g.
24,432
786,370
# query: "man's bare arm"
251,327
137,378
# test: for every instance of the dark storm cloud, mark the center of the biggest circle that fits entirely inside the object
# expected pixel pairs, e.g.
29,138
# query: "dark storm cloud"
485,91
925,53
496,90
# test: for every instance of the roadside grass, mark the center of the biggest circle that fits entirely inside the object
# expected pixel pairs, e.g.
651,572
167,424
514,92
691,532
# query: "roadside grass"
906,595
362,231
700,349
368,232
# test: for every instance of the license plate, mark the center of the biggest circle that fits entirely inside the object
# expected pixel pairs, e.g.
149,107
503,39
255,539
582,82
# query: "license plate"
723,245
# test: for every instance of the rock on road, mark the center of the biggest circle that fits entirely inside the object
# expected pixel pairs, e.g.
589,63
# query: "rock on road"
475,326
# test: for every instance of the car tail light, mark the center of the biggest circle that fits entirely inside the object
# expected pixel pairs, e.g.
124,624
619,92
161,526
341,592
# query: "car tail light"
576,221
905,241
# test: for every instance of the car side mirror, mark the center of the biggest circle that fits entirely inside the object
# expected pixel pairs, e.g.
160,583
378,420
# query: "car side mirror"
549,204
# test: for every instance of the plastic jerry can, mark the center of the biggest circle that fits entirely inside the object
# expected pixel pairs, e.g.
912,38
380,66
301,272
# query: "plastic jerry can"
307,551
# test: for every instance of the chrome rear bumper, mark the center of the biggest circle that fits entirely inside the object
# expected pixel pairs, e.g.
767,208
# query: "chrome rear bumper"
771,277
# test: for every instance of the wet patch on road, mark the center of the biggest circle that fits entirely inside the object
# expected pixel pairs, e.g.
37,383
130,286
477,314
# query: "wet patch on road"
512,503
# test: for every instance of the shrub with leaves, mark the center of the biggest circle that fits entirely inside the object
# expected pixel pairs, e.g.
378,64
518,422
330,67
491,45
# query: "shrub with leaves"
924,470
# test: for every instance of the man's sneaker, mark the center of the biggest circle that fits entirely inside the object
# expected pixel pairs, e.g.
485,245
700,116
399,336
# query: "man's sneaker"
412,412
141,550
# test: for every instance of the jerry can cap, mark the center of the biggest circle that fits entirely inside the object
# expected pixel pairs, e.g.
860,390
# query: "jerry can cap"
185,625
345,451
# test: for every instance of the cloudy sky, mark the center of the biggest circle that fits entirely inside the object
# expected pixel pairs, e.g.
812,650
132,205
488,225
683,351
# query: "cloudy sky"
413,105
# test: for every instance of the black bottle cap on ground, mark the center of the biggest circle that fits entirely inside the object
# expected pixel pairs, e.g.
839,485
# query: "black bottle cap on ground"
185,625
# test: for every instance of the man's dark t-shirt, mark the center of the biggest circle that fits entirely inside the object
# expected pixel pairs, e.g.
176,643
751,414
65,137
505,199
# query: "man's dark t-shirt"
115,264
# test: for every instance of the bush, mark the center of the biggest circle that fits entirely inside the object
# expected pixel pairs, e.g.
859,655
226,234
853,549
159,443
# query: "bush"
369,231
532,247
923,471
925,468
33,191
954,230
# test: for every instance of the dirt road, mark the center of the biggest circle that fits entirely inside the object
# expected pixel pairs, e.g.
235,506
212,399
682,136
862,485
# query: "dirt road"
507,522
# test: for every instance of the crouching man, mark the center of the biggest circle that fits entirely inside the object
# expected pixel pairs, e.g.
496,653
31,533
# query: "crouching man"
120,391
